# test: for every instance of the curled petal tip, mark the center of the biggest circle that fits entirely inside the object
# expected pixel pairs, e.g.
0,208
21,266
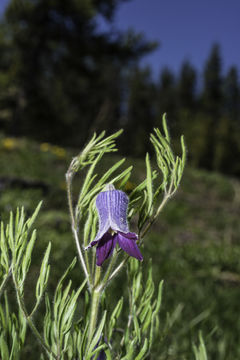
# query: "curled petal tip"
127,243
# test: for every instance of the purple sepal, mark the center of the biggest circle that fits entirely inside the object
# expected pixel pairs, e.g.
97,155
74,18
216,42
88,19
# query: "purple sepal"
105,247
128,243
112,212
102,355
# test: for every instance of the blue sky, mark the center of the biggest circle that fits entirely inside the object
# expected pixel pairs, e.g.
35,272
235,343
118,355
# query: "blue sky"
186,29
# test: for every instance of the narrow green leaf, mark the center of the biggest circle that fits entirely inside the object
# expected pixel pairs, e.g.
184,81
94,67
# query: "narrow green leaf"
184,151
143,351
106,176
26,261
165,128
149,185
97,336
34,216
136,327
3,348
113,319
159,298
148,318
44,274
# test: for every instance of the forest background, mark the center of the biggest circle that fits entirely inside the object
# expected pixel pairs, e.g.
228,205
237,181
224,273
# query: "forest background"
62,77
60,71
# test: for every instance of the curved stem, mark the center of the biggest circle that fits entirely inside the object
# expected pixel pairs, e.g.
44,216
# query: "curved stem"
2,287
116,271
167,196
152,220
29,321
96,295
109,269
69,176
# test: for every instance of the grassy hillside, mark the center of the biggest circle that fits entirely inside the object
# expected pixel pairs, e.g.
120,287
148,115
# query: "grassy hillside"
194,246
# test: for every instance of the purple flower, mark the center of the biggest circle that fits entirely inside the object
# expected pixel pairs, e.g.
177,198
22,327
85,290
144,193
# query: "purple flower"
102,355
113,227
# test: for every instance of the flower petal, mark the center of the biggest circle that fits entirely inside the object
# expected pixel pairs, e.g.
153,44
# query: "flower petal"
112,211
128,243
105,247
102,355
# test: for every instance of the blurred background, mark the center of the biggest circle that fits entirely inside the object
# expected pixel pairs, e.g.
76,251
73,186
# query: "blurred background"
71,67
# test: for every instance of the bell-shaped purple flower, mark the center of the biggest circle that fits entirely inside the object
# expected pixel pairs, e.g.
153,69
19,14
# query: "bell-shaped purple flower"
113,227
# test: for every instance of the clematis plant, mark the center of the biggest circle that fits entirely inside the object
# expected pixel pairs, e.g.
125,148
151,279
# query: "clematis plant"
83,327
101,203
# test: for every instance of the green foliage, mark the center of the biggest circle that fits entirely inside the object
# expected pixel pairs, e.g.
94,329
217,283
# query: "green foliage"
12,332
143,320
69,325
194,247
200,351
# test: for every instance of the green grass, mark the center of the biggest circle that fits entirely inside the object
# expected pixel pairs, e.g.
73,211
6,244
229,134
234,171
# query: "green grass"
194,246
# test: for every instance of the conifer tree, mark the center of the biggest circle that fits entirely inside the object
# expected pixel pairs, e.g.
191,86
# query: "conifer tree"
140,112
212,105
228,149
62,64
187,87
166,99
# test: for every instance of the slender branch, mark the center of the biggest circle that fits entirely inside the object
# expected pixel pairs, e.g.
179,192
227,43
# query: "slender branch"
152,220
109,269
96,296
75,234
167,196
29,321
74,227
116,271
2,287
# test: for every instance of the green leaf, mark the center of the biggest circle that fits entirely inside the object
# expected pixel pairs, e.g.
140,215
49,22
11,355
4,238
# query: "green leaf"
4,256
148,318
200,352
26,261
136,326
165,128
143,351
96,337
149,186
34,216
44,274
113,319
3,348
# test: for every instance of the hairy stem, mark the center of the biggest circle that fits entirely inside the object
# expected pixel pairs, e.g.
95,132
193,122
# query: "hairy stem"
74,226
29,321
96,295
167,196
2,287
118,268
109,270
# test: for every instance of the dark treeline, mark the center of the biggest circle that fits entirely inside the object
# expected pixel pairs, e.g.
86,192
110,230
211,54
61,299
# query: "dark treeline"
204,107
61,78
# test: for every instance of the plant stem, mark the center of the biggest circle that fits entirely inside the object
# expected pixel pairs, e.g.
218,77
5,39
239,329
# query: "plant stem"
5,281
167,196
96,295
69,176
116,271
29,321
109,269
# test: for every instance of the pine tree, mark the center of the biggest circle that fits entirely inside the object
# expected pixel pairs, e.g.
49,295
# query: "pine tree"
63,63
140,112
212,105
187,87
166,98
228,149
